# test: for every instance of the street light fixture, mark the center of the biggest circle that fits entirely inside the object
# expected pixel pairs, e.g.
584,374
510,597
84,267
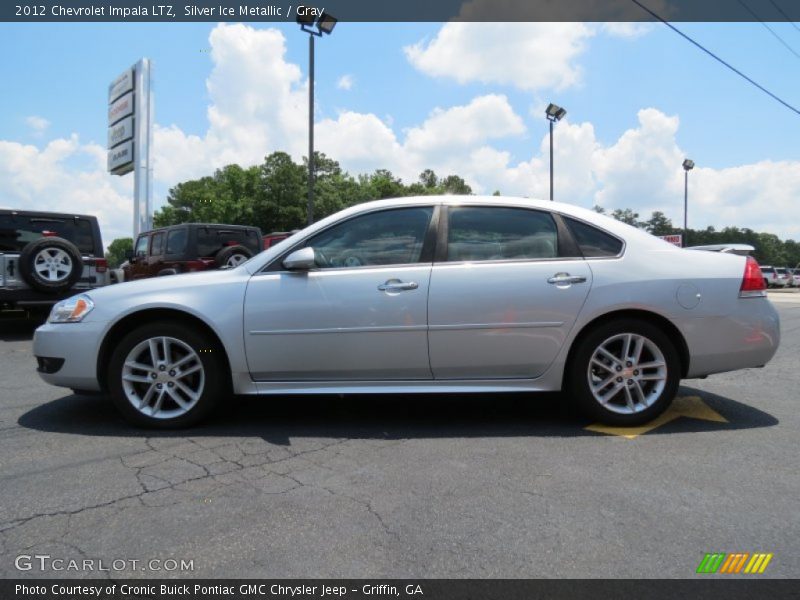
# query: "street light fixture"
315,27
688,165
554,113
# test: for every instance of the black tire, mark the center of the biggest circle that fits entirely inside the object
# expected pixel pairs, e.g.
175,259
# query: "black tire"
210,381
61,255
226,254
655,401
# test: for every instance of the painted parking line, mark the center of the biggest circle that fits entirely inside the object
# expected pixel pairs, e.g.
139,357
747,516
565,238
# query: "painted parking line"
683,406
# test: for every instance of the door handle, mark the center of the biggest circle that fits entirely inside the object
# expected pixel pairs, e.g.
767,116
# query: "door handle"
562,278
395,285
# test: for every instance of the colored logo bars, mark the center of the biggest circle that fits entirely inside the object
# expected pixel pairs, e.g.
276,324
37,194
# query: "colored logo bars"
734,563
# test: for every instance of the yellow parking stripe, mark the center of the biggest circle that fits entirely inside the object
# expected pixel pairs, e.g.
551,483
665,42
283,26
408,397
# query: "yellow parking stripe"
683,406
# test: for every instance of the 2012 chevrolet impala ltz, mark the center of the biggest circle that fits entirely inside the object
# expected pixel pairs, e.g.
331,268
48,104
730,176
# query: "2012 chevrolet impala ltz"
432,294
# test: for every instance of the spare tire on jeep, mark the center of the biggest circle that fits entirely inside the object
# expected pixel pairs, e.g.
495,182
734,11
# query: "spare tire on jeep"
232,256
51,264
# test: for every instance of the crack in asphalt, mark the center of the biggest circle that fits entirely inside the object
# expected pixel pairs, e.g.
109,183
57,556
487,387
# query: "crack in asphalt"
226,458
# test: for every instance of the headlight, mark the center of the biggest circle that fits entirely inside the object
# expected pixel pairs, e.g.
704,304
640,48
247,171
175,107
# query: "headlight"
71,310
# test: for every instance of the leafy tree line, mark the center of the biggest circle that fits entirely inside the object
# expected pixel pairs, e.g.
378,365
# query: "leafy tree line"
769,248
273,197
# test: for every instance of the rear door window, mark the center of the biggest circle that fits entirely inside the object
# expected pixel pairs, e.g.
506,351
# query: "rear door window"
157,245
499,233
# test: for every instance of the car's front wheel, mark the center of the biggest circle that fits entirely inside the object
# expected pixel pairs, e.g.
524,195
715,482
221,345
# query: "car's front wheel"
166,375
624,372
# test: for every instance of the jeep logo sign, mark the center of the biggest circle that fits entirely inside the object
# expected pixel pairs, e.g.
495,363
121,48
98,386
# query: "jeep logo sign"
120,132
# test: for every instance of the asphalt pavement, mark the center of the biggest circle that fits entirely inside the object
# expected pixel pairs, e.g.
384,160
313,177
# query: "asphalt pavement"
400,486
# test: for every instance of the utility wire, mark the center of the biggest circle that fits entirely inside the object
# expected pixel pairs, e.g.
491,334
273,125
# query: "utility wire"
770,29
785,16
715,57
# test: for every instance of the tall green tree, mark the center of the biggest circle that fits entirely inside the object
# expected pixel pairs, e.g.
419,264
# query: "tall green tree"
115,253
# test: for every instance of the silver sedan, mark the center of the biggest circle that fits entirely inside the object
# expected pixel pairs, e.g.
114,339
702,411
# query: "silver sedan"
431,294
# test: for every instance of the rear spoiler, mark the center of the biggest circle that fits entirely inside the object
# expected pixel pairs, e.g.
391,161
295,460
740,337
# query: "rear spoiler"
740,249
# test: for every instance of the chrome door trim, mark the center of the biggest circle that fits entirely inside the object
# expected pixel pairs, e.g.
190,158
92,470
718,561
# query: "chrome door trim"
340,330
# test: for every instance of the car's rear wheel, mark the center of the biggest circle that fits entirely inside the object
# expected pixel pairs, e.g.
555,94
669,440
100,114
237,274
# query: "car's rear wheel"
166,375
624,372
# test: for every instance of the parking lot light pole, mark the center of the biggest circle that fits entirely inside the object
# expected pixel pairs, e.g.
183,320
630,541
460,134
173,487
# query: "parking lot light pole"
324,25
554,113
688,165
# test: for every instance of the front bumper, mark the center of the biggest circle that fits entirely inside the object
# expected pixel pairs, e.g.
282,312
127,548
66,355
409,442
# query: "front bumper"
78,345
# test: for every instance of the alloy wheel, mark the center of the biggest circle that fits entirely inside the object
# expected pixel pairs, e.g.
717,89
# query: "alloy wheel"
163,377
627,373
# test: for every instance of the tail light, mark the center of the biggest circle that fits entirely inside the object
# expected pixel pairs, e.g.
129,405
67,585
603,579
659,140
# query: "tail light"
101,264
753,285
198,265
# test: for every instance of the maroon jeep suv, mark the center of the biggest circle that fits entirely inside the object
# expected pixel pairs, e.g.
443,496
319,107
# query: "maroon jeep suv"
191,247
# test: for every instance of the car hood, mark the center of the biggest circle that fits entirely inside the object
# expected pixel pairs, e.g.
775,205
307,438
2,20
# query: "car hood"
187,290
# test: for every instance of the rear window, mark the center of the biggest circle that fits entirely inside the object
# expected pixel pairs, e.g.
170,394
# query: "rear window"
592,241
212,240
780,271
767,270
16,231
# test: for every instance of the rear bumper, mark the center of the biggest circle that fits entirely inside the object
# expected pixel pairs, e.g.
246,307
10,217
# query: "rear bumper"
747,338
77,344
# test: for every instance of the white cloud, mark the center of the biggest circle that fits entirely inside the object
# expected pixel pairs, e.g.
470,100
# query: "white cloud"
38,124
258,104
447,137
345,82
530,56
46,179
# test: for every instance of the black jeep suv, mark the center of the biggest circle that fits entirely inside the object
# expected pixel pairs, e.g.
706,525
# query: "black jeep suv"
47,256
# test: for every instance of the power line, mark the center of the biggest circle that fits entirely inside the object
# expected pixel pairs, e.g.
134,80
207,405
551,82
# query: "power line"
717,58
768,28
785,16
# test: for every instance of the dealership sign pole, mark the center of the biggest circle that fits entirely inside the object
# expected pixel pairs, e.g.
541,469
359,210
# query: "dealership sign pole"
130,127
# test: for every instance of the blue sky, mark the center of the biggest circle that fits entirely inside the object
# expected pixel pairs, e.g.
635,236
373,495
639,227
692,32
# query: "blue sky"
62,71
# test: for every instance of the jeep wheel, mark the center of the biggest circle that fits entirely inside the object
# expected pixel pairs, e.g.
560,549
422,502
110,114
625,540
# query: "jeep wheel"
232,256
51,264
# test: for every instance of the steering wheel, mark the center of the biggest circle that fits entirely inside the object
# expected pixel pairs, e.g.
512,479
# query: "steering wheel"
352,260
320,258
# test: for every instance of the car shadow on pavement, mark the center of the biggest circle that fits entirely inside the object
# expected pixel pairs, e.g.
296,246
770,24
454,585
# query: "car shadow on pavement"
18,329
279,419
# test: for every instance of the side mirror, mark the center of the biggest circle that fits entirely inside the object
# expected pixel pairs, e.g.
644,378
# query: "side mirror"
129,253
300,260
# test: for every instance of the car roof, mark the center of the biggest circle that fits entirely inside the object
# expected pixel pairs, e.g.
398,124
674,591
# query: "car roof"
623,230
